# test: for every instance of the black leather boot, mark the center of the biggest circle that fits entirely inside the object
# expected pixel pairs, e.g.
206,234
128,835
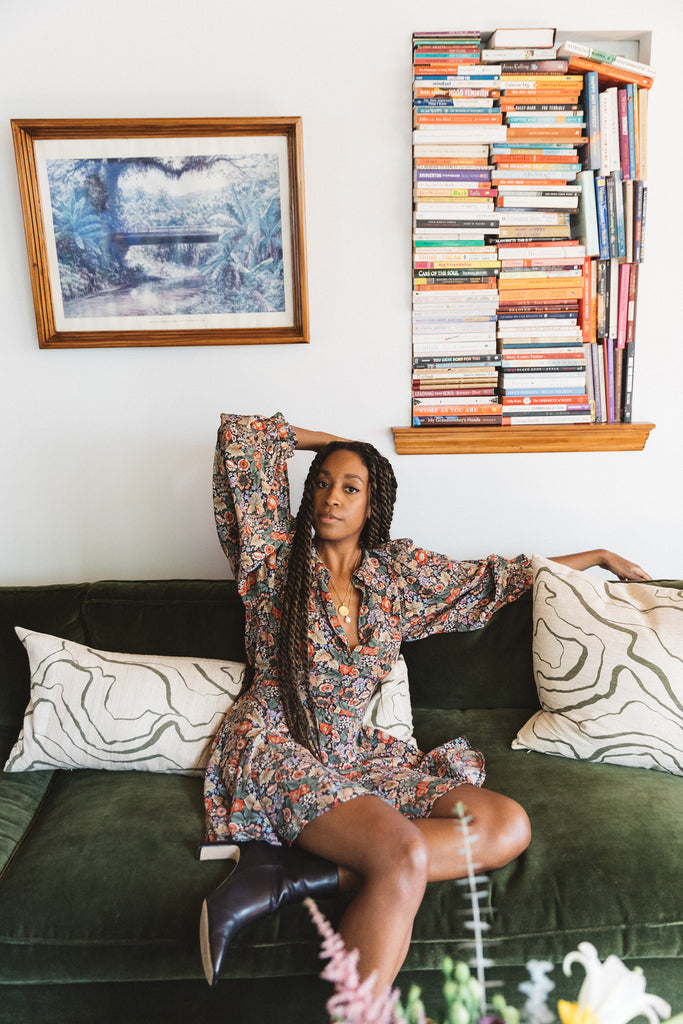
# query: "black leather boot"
264,879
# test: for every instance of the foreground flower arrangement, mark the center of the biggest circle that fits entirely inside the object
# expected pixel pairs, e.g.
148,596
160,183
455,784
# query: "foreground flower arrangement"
610,994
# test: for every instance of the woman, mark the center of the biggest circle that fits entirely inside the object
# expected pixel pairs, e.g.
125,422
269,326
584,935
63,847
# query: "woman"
318,800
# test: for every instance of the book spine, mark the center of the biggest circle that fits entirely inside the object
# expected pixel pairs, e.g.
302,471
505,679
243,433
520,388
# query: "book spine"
631,128
592,109
624,155
601,210
619,214
637,220
643,223
622,316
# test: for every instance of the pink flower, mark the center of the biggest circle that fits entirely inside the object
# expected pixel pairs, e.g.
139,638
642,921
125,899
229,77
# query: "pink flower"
352,1001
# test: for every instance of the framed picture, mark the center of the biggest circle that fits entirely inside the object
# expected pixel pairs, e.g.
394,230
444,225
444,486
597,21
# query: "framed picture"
164,232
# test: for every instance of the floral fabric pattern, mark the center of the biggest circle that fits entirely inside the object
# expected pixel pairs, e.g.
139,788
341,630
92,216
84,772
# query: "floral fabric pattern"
259,783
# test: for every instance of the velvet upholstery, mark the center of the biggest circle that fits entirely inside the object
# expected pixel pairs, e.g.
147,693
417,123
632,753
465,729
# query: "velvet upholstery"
100,890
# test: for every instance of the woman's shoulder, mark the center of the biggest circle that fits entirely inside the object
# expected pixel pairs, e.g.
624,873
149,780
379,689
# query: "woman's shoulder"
394,554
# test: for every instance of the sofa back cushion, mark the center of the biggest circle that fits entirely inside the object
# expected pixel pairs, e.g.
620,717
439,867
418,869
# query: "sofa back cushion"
485,668
187,618
51,609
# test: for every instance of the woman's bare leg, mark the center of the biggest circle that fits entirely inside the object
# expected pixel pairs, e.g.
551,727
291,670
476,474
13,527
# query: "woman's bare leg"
388,859
388,854
500,831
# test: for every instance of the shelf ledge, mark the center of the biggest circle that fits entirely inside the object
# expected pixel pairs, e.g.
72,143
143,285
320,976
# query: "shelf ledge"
577,437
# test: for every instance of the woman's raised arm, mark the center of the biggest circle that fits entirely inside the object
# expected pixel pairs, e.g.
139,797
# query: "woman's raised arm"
314,440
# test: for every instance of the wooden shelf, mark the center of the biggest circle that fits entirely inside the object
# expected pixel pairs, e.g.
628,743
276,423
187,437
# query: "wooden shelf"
576,437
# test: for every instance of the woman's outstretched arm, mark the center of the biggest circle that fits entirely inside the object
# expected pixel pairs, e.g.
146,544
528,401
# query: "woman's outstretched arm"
621,567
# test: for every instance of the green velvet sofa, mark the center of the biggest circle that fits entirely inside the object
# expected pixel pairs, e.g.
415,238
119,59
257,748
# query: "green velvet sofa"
100,888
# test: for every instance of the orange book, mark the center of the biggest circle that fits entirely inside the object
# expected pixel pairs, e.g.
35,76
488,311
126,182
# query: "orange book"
546,81
608,74
513,104
539,283
549,294
560,133
586,301
545,96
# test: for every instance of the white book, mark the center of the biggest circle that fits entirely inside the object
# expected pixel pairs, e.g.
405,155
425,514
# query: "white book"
526,252
609,131
541,202
456,82
572,49
523,189
438,341
519,53
451,150
502,38
588,215
514,218
468,133
530,175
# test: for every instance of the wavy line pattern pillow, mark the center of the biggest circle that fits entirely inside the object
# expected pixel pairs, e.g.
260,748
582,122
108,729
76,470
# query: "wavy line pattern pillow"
122,712
127,712
608,666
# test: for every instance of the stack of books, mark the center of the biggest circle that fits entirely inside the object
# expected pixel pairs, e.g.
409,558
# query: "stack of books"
456,116
543,365
528,228
612,218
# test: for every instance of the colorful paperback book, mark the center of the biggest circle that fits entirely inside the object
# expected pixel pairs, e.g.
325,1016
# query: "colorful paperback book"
601,211
592,108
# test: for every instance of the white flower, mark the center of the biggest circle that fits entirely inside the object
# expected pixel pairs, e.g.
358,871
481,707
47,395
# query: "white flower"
611,993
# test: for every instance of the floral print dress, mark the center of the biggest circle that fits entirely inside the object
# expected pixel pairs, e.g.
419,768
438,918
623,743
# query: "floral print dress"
259,783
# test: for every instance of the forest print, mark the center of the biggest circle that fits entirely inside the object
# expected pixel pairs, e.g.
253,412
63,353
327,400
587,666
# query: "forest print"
150,236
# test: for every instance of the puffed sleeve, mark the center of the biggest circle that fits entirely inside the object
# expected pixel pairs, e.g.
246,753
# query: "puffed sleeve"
441,595
251,491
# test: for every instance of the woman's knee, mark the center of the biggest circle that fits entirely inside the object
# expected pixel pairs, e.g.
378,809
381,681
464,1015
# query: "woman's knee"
404,864
500,824
508,830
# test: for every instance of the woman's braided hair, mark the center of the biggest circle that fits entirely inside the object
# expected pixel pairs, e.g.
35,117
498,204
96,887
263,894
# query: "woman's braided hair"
293,651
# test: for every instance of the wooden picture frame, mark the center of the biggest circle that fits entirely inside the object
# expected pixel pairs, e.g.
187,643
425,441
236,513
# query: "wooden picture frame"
164,232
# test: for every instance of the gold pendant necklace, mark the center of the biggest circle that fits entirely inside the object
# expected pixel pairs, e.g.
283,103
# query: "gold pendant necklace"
343,608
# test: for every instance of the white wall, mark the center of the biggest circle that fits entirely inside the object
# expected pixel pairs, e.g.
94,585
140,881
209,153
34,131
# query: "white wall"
106,454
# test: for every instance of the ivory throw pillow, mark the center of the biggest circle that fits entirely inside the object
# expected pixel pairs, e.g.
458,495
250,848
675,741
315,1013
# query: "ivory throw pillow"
390,709
128,712
608,666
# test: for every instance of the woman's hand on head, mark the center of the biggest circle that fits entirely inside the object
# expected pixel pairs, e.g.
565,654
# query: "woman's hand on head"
623,568
314,440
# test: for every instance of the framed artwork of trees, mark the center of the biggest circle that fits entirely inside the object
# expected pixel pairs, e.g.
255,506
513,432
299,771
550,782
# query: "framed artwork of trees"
164,232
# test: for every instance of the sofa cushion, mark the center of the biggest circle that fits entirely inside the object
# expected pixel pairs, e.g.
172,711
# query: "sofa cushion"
608,664
481,668
94,709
